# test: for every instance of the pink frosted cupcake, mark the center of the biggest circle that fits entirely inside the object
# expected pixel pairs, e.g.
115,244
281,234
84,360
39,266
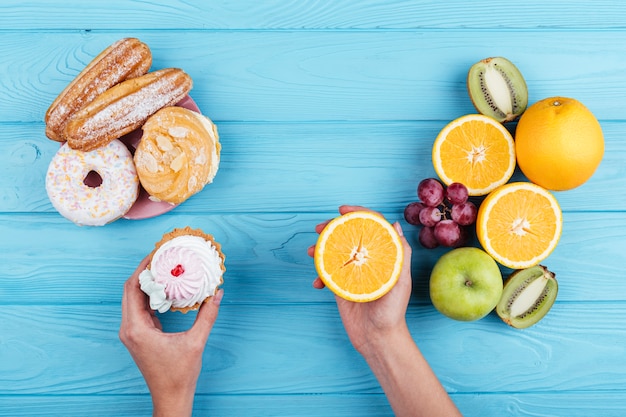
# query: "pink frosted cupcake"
186,268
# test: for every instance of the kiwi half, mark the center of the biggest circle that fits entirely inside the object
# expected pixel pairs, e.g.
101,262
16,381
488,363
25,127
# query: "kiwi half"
497,89
527,296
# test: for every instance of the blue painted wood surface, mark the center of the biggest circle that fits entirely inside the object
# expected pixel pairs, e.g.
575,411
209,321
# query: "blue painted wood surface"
318,103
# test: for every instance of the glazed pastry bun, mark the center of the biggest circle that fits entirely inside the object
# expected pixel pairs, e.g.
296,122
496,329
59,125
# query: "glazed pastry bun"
178,154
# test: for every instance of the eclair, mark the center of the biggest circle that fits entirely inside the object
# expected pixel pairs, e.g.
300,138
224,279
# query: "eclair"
125,107
126,58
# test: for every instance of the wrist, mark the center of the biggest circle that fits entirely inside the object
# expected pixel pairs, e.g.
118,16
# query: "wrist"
379,344
409,383
174,403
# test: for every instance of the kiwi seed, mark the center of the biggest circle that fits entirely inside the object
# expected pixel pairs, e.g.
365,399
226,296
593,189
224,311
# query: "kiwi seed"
527,296
497,89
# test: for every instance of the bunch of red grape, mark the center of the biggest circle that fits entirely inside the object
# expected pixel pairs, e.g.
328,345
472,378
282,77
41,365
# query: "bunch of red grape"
445,213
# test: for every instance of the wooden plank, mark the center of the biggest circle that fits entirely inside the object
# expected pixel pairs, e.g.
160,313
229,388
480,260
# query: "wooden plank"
302,167
325,14
304,76
204,405
48,261
578,404
303,349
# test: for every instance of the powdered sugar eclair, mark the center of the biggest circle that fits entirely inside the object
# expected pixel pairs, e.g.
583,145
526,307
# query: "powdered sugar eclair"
125,107
124,59
186,268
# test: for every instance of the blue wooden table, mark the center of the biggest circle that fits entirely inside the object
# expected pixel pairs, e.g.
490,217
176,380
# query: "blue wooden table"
318,103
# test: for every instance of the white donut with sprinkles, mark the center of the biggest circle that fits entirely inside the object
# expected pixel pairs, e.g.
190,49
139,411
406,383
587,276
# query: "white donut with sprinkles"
90,202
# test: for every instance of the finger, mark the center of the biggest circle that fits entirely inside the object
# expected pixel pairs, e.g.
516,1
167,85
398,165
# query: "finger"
343,209
406,265
398,228
405,244
205,319
156,322
131,284
134,301
311,251
321,226
318,283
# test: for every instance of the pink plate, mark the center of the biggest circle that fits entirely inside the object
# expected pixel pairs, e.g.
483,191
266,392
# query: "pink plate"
145,208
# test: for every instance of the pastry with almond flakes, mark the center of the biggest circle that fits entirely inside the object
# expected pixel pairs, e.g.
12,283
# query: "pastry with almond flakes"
178,154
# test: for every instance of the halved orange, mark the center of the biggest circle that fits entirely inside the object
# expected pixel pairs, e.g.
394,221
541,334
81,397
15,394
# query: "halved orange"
519,224
359,256
475,150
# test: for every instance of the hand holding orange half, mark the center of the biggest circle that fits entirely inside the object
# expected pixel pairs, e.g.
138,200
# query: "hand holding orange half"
359,255
366,321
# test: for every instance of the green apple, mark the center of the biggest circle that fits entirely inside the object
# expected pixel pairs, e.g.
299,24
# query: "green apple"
465,284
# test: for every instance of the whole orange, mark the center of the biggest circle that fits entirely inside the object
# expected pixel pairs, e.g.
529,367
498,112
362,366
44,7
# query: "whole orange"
558,143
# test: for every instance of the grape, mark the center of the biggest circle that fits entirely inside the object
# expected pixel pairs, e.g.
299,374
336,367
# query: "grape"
464,237
412,212
426,238
429,216
448,233
464,214
457,193
430,192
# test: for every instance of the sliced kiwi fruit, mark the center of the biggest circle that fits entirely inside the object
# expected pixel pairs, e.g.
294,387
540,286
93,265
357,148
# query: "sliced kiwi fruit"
497,89
527,296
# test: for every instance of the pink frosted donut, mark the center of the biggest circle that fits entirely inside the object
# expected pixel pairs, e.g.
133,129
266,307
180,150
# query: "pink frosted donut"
107,198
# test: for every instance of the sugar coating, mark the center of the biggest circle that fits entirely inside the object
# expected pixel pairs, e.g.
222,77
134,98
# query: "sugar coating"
131,110
92,206
126,58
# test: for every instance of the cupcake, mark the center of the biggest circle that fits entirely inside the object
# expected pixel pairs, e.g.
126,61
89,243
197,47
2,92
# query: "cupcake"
186,268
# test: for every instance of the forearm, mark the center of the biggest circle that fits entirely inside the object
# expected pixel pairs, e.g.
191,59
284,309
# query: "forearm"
409,383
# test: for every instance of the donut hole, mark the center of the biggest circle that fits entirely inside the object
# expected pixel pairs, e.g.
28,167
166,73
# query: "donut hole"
93,179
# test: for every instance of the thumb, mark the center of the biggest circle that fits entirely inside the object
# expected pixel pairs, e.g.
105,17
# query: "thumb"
406,267
205,319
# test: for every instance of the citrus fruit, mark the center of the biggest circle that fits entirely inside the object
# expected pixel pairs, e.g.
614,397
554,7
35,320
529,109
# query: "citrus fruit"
359,256
559,143
519,224
476,151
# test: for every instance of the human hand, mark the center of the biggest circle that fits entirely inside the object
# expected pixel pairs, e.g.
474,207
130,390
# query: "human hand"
379,332
369,324
169,362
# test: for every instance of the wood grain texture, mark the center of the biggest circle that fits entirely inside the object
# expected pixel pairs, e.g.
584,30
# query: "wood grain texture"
611,403
74,349
304,76
318,103
320,14
303,167
53,262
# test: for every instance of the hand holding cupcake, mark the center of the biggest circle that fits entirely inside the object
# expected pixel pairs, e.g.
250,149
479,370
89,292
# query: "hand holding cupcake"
186,268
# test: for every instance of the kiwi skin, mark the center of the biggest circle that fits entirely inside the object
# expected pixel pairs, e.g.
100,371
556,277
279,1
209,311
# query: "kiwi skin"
538,299
497,89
